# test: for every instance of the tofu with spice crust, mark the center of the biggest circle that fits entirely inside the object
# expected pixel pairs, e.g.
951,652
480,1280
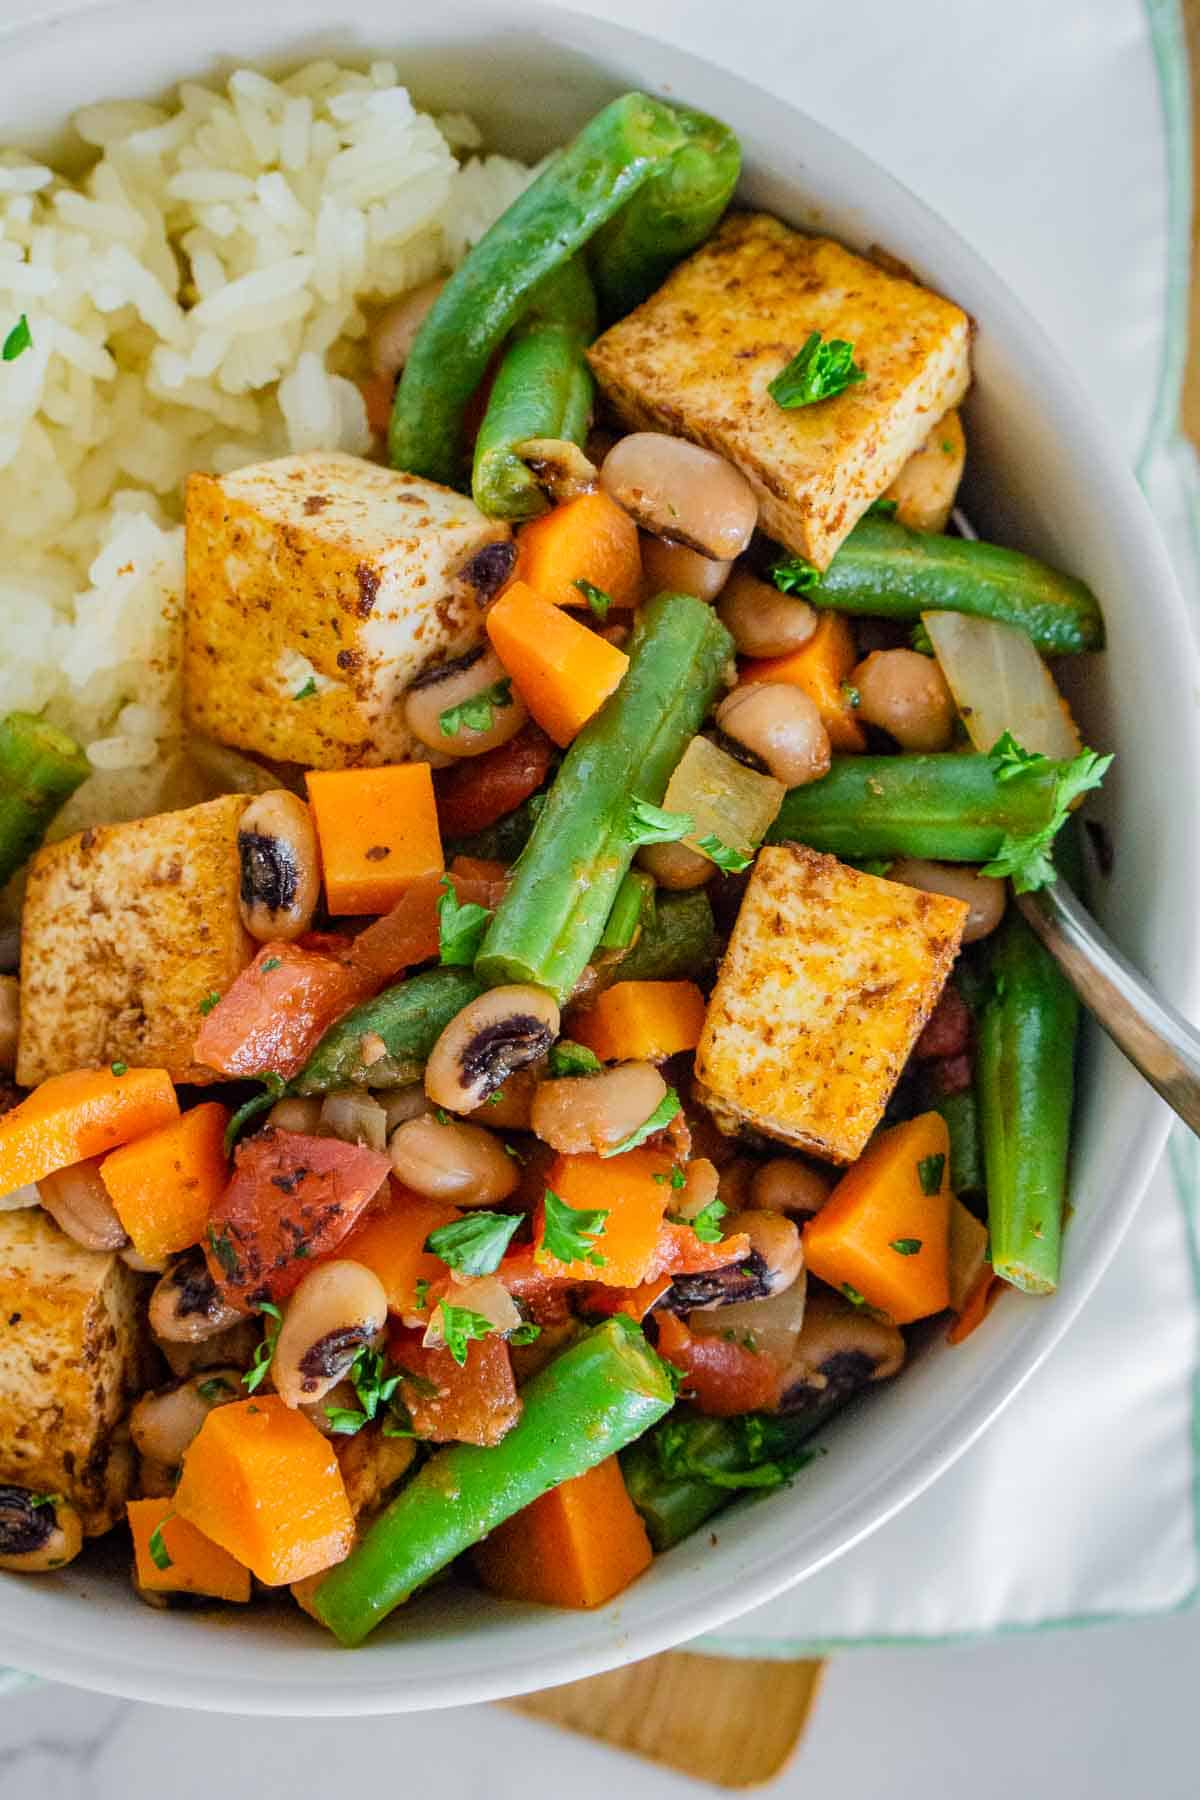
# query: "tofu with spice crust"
696,360
72,1360
318,588
126,931
828,979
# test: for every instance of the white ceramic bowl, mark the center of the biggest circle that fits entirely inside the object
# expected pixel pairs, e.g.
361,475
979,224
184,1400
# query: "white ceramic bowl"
1042,476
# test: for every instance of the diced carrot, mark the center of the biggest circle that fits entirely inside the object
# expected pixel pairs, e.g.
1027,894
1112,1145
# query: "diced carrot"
261,1481
625,1188
163,1185
73,1117
884,1232
636,1302
679,1251
182,1560
723,1377
276,1011
976,1307
821,667
588,539
476,1403
392,1244
378,832
563,671
477,790
579,1545
642,1020
292,1200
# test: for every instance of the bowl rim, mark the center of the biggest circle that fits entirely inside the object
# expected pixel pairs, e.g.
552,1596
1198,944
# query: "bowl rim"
722,1597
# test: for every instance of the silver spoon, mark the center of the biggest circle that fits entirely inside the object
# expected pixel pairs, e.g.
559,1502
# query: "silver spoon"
1159,1042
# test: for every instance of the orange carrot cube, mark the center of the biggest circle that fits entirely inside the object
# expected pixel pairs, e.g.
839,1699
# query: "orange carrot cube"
163,1184
579,1545
645,1021
172,1557
562,671
378,831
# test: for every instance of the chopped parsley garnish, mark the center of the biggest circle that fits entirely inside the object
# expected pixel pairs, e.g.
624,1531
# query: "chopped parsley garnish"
851,1294
475,1244
255,1375
160,1556
373,1388
794,575
905,1246
818,371
459,1327
215,1388
44,1499
648,824
1025,858
420,1294
19,339
882,509
724,855
930,1170
222,1248
120,1068
706,1223
920,641
307,691
211,999
851,696
272,962
570,1058
442,1116
569,1231
697,1449
525,1334
678,1178
596,598
460,928
477,713
662,1115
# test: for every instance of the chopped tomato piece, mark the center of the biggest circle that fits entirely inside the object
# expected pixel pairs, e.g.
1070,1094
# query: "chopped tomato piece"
680,1252
544,1297
472,1403
277,1011
722,1378
292,1201
635,1301
478,790
408,934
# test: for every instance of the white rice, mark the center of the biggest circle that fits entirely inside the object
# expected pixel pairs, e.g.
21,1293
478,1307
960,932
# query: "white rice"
195,302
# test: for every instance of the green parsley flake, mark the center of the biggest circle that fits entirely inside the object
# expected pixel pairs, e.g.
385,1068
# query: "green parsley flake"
474,1245
272,962
460,1326
882,509
905,1246
570,1058
160,1556
851,696
818,371
525,1334
678,1178
210,1000
216,1388
851,1294
120,1068
567,1229
662,1115
930,1170
596,598
724,855
460,928
1026,858
374,1389
256,1374
648,824
19,339
477,713
307,691
921,641
706,1223
420,1294
795,575
222,1248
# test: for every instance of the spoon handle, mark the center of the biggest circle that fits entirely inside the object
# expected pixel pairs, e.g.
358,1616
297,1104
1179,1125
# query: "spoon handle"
1158,1041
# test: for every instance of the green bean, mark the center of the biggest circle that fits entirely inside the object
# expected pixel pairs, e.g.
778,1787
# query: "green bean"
1026,1086
582,187
40,768
634,906
669,217
409,1018
678,943
543,389
503,841
690,1466
961,1113
886,570
946,807
562,890
589,1403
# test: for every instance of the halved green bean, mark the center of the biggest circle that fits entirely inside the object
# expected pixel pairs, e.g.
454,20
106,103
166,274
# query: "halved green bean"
946,807
586,1405
582,187
961,1113
886,570
562,890
633,907
1026,1084
40,768
543,390
666,220
409,1017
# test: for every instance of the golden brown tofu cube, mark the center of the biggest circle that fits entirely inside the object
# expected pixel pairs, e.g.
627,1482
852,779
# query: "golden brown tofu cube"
829,977
127,931
318,588
696,360
72,1359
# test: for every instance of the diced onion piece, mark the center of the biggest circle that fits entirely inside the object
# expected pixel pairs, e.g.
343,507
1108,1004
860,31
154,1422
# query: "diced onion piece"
20,1197
1000,684
724,798
354,1117
968,1252
769,1326
484,1295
